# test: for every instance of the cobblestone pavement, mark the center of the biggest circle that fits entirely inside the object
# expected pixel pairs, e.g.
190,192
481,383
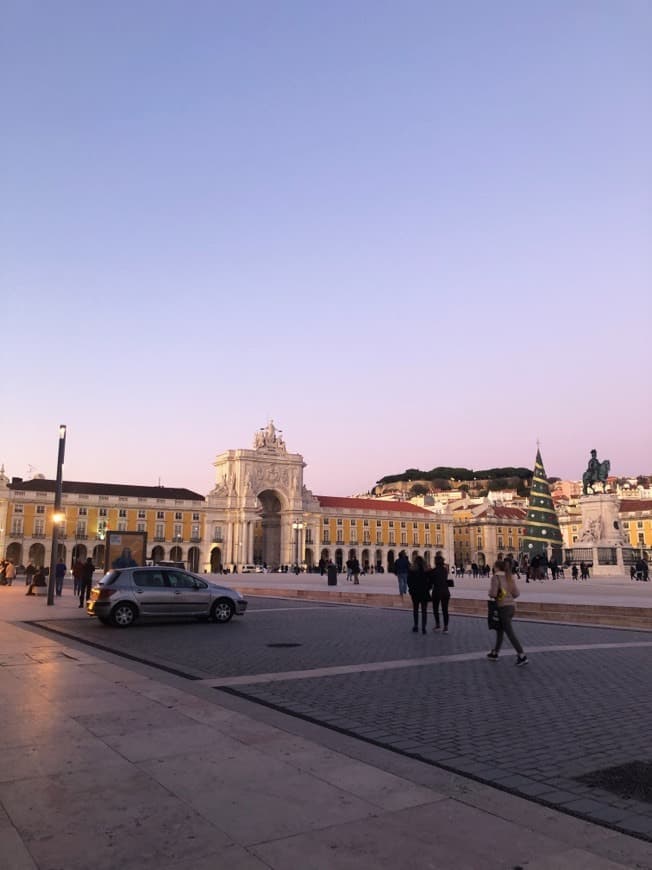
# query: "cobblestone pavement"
583,704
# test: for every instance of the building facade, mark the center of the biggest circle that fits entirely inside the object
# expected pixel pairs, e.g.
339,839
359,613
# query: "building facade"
259,512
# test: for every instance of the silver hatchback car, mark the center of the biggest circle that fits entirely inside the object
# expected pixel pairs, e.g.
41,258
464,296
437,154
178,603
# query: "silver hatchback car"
122,596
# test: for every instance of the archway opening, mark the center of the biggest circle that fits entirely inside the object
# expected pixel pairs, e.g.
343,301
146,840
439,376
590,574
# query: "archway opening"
193,559
267,530
15,553
37,555
216,561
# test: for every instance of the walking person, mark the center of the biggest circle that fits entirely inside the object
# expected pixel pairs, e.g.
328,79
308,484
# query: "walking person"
402,566
59,575
355,570
504,591
77,574
30,570
86,581
440,592
419,585
10,573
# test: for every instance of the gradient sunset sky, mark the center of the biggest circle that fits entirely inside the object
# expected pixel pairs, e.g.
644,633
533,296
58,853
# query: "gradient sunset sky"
412,233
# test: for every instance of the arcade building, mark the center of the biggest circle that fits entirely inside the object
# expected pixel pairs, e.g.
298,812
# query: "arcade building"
259,512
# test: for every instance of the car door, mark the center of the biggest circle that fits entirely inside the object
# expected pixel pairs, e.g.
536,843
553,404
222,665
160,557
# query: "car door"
153,596
191,596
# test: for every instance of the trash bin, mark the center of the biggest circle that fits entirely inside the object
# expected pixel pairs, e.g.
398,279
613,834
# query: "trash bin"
332,575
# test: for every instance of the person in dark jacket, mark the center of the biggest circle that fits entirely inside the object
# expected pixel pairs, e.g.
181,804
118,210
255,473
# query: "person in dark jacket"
38,579
419,582
440,592
86,581
402,566
59,576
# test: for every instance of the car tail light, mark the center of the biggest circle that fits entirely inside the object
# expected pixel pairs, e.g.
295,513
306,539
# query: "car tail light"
103,593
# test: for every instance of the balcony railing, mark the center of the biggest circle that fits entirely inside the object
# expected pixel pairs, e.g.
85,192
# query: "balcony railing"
158,539
326,541
218,539
38,535
81,537
195,540
16,534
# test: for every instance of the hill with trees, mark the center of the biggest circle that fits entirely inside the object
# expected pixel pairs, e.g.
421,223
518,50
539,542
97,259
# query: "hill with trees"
444,478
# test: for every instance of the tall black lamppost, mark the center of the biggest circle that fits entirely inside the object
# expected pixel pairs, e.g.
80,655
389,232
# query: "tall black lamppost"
56,516
297,526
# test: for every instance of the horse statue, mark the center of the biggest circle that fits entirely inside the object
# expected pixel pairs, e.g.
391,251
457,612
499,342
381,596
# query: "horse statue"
597,472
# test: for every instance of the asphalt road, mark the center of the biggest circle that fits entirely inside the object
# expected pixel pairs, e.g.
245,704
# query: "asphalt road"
552,731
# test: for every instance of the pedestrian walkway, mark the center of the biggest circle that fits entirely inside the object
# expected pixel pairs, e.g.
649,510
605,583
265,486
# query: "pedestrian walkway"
110,764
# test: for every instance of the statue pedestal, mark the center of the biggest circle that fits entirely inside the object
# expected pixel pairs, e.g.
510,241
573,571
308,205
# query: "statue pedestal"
600,522
601,539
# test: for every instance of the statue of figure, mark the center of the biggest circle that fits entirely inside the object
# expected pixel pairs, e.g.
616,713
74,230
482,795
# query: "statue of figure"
596,472
270,435
259,439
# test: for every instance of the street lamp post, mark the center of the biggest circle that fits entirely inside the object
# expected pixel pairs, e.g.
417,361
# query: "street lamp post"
297,526
56,516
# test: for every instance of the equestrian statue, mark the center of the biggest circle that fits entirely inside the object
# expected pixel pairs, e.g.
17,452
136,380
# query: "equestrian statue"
597,472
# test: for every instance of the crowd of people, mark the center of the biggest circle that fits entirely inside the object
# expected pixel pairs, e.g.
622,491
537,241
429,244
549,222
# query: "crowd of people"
36,577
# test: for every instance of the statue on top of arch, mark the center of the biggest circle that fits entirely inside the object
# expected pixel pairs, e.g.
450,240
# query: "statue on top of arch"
269,438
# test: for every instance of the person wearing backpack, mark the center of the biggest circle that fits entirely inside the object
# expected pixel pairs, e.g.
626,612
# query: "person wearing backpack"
504,591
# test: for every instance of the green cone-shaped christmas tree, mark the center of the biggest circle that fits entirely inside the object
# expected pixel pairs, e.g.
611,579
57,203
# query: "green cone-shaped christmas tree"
542,526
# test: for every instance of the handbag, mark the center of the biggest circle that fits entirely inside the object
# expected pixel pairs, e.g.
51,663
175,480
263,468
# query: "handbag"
450,582
493,615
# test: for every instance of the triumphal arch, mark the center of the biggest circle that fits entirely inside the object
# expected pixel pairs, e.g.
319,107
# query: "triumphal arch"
259,511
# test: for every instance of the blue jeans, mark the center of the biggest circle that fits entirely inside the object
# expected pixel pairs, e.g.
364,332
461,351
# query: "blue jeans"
402,583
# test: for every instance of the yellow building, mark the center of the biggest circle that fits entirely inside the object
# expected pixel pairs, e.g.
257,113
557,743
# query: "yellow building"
636,521
171,518
482,531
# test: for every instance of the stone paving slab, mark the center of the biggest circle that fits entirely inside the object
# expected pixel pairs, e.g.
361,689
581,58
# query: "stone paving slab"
367,797
501,724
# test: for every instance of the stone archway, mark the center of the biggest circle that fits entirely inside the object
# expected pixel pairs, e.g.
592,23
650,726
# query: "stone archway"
176,554
99,552
193,559
158,554
216,561
15,553
37,555
80,552
309,558
267,530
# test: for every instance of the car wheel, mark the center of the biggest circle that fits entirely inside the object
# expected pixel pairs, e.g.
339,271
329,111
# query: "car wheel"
123,615
223,610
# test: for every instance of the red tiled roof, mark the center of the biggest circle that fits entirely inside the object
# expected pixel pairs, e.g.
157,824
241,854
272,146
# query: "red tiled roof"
633,505
504,513
372,504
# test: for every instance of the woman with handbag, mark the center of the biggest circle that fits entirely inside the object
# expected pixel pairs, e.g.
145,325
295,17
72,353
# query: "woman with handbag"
440,592
504,592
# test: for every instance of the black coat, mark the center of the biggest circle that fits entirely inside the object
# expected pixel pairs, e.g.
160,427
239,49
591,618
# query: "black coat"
419,583
440,582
